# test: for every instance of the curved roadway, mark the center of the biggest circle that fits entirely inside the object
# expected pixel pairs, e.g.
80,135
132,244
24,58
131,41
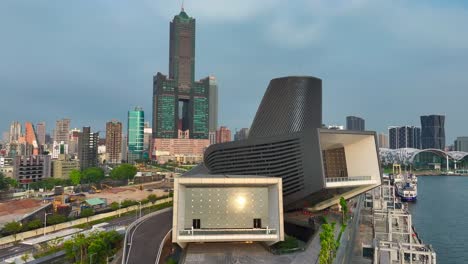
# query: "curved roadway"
146,238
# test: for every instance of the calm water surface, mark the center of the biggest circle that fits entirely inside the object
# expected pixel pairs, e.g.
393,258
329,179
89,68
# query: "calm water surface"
440,216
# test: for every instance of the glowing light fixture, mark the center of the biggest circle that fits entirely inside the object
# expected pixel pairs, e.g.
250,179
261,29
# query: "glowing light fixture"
240,201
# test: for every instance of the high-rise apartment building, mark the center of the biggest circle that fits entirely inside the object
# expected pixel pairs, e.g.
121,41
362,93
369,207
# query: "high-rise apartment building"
383,140
61,132
114,142
41,133
404,137
461,144
433,132
242,134
181,105
32,147
180,102
223,135
88,148
135,132
15,131
355,123
73,141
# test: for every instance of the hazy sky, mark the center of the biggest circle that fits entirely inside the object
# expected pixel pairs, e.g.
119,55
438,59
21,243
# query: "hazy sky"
92,60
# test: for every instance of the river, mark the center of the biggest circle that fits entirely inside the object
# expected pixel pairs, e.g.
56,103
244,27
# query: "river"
441,217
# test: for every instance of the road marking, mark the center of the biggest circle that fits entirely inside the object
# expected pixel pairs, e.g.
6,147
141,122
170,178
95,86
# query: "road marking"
161,247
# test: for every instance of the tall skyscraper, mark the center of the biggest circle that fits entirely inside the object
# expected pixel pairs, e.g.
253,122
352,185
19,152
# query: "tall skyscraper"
461,144
184,110
135,132
355,123
383,140
88,148
242,134
15,131
62,128
114,142
223,135
180,102
404,137
41,133
74,136
433,132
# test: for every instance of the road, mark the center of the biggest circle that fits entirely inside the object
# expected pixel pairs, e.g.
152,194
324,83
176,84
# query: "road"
146,238
14,251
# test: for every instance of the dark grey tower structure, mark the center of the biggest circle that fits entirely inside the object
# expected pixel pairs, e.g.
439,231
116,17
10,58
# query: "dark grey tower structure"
433,132
355,123
88,148
286,140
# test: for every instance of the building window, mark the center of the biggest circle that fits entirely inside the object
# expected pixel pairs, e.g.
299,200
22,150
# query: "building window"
196,223
257,223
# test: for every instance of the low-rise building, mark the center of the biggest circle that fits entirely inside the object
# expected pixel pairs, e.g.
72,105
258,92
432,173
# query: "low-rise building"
32,168
62,167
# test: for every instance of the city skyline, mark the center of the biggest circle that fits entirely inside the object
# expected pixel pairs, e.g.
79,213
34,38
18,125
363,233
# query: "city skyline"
119,71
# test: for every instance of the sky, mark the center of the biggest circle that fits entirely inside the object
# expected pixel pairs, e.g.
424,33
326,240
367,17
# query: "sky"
93,60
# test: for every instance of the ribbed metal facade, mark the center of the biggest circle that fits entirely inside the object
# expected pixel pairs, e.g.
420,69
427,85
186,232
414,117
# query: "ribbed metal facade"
290,104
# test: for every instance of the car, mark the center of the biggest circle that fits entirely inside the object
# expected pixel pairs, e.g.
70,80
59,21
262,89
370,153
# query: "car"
149,190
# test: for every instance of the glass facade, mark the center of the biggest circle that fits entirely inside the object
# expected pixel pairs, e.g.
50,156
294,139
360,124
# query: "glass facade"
165,116
233,207
136,121
200,117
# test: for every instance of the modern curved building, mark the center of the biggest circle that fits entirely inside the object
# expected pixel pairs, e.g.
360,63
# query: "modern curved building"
288,162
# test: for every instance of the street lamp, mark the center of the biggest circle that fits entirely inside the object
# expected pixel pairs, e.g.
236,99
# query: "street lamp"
91,257
140,208
45,221
120,204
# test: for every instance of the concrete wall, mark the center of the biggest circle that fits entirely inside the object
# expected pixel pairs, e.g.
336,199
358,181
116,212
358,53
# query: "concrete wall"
32,233
361,158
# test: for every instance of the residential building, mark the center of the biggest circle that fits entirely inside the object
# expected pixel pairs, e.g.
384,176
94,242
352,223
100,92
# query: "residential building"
404,137
73,141
124,147
242,134
59,148
33,168
135,132
88,148
15,131
41,133
148,133
383,140
63,166
182,105
433,132
223,134
355,123
7,167
62,129
461,144
114,142
31,139
212,137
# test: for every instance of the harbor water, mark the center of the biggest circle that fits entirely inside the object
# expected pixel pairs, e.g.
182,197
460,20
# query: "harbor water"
440,216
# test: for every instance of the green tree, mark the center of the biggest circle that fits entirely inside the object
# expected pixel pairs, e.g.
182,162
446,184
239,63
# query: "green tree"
4,182
344,210
12,228
56,219
328,244
99,245
92,175
87,212
114,206
25,257
34,224
152,198
75,177
123,172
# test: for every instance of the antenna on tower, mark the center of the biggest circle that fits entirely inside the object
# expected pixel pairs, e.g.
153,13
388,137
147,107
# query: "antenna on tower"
182,7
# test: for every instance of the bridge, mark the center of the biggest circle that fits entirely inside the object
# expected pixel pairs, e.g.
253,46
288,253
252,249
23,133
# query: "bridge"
406,156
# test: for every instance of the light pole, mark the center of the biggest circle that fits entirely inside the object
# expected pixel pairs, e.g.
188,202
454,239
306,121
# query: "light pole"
120,204
91,257
45,221
140,208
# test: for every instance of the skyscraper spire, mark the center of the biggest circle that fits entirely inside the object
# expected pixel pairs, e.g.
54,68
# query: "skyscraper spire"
182,7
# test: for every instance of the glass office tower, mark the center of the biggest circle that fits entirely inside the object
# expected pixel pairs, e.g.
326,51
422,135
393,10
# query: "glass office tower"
136,124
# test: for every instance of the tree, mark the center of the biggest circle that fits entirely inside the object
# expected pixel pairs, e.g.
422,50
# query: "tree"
92,175
99,245
56,219
152,198
114,206
12,228
5,182
123,172
87,212
328,244
344,210
34,224
75,177
25,257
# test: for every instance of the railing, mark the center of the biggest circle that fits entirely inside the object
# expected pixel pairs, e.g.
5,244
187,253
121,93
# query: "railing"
200,232
348,179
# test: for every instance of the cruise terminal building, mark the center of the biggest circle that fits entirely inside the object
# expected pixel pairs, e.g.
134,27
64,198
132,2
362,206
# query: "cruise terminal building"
289,162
